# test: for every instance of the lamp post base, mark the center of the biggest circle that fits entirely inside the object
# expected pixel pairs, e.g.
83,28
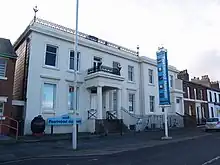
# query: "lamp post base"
166,138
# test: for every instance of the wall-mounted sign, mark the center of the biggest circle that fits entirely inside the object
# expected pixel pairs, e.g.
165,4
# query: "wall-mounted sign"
63,120
163,77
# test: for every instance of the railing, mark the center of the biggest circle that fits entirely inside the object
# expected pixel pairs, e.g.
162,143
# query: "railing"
6,122
110,115
83,35
92,114
106,69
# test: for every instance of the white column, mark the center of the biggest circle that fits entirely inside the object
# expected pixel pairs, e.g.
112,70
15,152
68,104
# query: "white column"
107,106
99,102
119,104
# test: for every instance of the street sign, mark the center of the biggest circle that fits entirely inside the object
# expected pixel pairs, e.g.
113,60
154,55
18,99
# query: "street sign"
163,77
63,120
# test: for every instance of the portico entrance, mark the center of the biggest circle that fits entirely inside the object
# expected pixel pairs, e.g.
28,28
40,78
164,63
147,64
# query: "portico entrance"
106,100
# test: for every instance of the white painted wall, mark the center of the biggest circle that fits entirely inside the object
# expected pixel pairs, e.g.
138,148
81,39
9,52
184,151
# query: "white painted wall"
38,74
211,104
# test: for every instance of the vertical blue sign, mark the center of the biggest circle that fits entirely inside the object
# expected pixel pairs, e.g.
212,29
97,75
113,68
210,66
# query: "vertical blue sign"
163,77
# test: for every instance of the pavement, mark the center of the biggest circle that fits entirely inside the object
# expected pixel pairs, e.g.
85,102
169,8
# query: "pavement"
109,150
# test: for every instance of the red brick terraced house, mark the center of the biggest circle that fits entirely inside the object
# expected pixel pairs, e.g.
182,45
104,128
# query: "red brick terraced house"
195,100
7,69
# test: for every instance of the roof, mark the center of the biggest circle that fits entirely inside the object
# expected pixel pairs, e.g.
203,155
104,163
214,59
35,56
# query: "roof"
6,48
203,86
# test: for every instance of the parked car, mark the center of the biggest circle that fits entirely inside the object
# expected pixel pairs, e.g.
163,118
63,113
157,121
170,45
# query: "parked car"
212,124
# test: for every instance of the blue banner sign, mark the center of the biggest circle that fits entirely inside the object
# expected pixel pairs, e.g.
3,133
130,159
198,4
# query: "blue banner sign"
63,120
163,77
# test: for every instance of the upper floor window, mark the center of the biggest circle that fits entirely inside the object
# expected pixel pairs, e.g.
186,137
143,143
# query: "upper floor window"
130,73
152,103
72,59
151,76
49,96
215,97
1,108
201,94
131,101
219,98
171,81
210,96
51,56
195,95
188,92
3,63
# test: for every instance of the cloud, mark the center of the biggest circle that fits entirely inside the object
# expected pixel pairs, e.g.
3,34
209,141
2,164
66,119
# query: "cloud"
208,63
185,27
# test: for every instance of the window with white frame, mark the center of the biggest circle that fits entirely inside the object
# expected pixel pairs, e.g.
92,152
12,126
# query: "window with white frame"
131,102
201,94
210,96
188,92
3,63
152,104
215,95
130,73
49,96
190,110
212,112
195,95
51,56
71,60
151,76
1,108
114,101
71,98
171,81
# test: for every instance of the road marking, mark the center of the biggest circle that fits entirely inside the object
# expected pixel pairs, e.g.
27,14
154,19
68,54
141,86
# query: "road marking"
211,161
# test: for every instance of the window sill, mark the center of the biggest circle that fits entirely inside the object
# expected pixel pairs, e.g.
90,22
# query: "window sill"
73,71
49,112
3,78
72,112
51,67
151,84
131,82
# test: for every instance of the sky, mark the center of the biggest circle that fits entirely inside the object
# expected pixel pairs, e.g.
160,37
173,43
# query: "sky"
189,29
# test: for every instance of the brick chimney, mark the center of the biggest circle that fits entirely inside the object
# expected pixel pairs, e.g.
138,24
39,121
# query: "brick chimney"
215,84
205,80
183,75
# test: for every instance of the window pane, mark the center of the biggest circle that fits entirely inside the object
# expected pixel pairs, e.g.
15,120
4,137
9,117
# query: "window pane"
72,56
51,49
2,67
50,59
130,73
71,63
131,102
150,72
1,108
152,103
171,81
71,98
49,96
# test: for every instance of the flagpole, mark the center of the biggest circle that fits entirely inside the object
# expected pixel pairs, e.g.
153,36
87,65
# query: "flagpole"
74,134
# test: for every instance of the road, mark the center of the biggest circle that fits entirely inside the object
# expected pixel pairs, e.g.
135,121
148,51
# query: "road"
202,151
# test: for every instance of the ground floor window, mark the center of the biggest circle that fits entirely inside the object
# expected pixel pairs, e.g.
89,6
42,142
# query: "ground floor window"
131,101
1,108
73,96
212,112
49,96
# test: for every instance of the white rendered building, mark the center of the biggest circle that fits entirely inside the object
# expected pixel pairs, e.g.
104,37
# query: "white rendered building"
44,79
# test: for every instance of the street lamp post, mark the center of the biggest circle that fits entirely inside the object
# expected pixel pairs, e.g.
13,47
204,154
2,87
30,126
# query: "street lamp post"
74,134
